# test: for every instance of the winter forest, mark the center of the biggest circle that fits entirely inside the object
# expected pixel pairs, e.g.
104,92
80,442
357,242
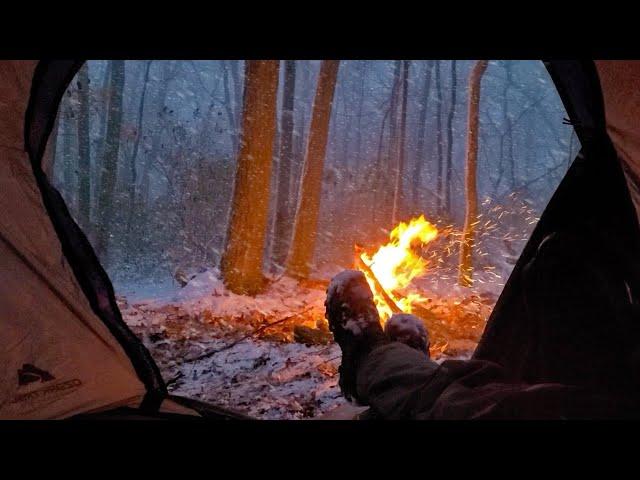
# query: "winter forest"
221,196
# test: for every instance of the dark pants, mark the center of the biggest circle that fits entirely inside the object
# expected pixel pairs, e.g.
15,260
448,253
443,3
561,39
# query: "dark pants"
575,361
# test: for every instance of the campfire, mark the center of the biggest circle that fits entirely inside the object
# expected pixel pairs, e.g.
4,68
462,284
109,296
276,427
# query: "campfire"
392,267
254,351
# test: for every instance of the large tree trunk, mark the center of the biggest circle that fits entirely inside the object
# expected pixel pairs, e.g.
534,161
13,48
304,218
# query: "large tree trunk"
282,228
84,149
398,189
241,263
465,274
422,120
452,111
109,167
304,237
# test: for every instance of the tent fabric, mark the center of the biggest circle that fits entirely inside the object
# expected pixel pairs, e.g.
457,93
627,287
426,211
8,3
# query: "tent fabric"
620,81
49,83
50,80
58,357
579,89
591,205
399,382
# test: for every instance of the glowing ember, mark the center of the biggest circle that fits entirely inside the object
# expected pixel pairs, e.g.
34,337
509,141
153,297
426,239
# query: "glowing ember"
395,265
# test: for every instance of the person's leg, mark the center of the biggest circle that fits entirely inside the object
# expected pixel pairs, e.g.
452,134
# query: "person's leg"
408,329
355,323
388,370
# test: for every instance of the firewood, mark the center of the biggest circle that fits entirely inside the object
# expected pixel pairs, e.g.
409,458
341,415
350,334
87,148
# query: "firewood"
311,336
378,287
245,337
314,283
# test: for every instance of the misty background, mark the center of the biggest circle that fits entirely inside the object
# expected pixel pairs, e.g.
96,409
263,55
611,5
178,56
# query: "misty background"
172,130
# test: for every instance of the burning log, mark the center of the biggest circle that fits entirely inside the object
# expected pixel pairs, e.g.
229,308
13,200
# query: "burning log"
419,310
379,288
392,267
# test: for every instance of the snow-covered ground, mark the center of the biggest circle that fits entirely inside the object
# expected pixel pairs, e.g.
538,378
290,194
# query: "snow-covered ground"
218,347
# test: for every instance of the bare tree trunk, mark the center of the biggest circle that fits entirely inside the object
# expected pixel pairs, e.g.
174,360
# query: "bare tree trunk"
465,273
452,111
68,167
49,158
303,78
101,141
422,120
109,173
237,96
136,146
361,95
512,165
506,133
383,196
378,183
134,157
345,161
157,130
398,195
241,263
439,189
269,242
298,161
282,228
84,149
392,151
306,221
228,107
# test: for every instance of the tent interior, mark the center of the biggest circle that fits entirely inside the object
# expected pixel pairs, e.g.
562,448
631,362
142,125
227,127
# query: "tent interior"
168,227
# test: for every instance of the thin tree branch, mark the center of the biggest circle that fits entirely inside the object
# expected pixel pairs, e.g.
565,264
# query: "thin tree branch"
247,336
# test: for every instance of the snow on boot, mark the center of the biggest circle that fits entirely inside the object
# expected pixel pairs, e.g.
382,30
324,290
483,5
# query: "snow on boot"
354,321
408,329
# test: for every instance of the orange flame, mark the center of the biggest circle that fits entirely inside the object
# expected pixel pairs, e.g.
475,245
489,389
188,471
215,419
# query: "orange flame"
395,264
